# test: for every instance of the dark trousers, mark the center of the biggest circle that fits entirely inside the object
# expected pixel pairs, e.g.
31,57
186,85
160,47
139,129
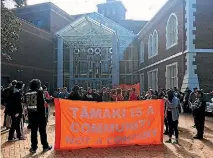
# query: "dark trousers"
166,124
193,114
43,134
199,124
15,127
5,115
173,125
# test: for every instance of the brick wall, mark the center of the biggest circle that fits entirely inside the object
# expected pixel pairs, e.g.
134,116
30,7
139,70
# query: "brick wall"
204,24
205,70
159,24
34,57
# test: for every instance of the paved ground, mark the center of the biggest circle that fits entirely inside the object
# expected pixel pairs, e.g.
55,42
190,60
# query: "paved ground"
188,148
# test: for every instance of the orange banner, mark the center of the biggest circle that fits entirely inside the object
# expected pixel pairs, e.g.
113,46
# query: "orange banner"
127,87
90,124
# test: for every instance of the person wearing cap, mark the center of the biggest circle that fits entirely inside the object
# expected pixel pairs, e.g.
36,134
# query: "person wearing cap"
192,98
198,108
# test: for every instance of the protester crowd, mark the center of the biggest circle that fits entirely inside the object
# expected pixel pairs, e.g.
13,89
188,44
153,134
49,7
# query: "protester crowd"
21,106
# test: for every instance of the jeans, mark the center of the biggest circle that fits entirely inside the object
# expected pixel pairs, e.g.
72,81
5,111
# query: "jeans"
173,125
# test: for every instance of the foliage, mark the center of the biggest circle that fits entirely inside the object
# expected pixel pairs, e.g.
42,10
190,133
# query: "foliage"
10,29
20,3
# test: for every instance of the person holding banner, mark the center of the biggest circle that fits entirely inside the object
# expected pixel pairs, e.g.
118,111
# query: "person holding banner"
172,115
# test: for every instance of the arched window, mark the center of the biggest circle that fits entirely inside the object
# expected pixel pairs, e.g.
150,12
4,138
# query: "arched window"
155,43
141,52
172,31
150,46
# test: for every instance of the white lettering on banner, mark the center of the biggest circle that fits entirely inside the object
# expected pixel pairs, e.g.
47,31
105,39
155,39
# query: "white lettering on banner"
107,128
73,126
95,113
84,113
96,128
85,127
119,128
74,111
142,122
106,114
112,140
124,113
150,110
116,113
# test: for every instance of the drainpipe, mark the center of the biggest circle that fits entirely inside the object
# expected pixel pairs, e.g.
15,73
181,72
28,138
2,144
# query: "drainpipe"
183,42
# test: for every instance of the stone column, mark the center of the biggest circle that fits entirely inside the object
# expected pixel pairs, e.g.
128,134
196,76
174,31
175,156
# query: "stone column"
60,62
115,61
71,82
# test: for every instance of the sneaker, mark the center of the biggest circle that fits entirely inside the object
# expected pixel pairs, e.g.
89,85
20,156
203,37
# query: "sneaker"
47,149
168,141
175,142
197,137
166,133
22,138
11,140
33,151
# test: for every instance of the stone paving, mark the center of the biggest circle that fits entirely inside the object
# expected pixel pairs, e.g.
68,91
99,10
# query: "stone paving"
187,148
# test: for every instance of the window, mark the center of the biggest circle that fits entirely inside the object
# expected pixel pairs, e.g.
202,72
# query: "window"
104,67
150,46
172,31
155,43
153,79
141,52
142,82
172,76
83,67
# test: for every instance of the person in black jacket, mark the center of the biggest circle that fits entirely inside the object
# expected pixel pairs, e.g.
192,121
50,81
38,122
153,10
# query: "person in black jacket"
199,114
15,110
7,94
37,116
89,96
75,94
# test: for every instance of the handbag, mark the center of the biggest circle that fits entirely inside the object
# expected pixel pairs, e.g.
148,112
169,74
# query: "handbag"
8,121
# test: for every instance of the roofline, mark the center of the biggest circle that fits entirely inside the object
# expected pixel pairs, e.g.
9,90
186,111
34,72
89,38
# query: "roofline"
50,3
27,22
115,23
79,21
163,10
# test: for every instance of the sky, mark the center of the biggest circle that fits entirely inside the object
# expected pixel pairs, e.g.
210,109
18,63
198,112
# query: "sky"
136,9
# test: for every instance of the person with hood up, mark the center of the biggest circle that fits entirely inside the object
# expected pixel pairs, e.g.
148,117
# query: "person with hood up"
172,115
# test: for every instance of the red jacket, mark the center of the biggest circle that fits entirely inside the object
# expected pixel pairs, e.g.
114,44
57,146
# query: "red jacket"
133,96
